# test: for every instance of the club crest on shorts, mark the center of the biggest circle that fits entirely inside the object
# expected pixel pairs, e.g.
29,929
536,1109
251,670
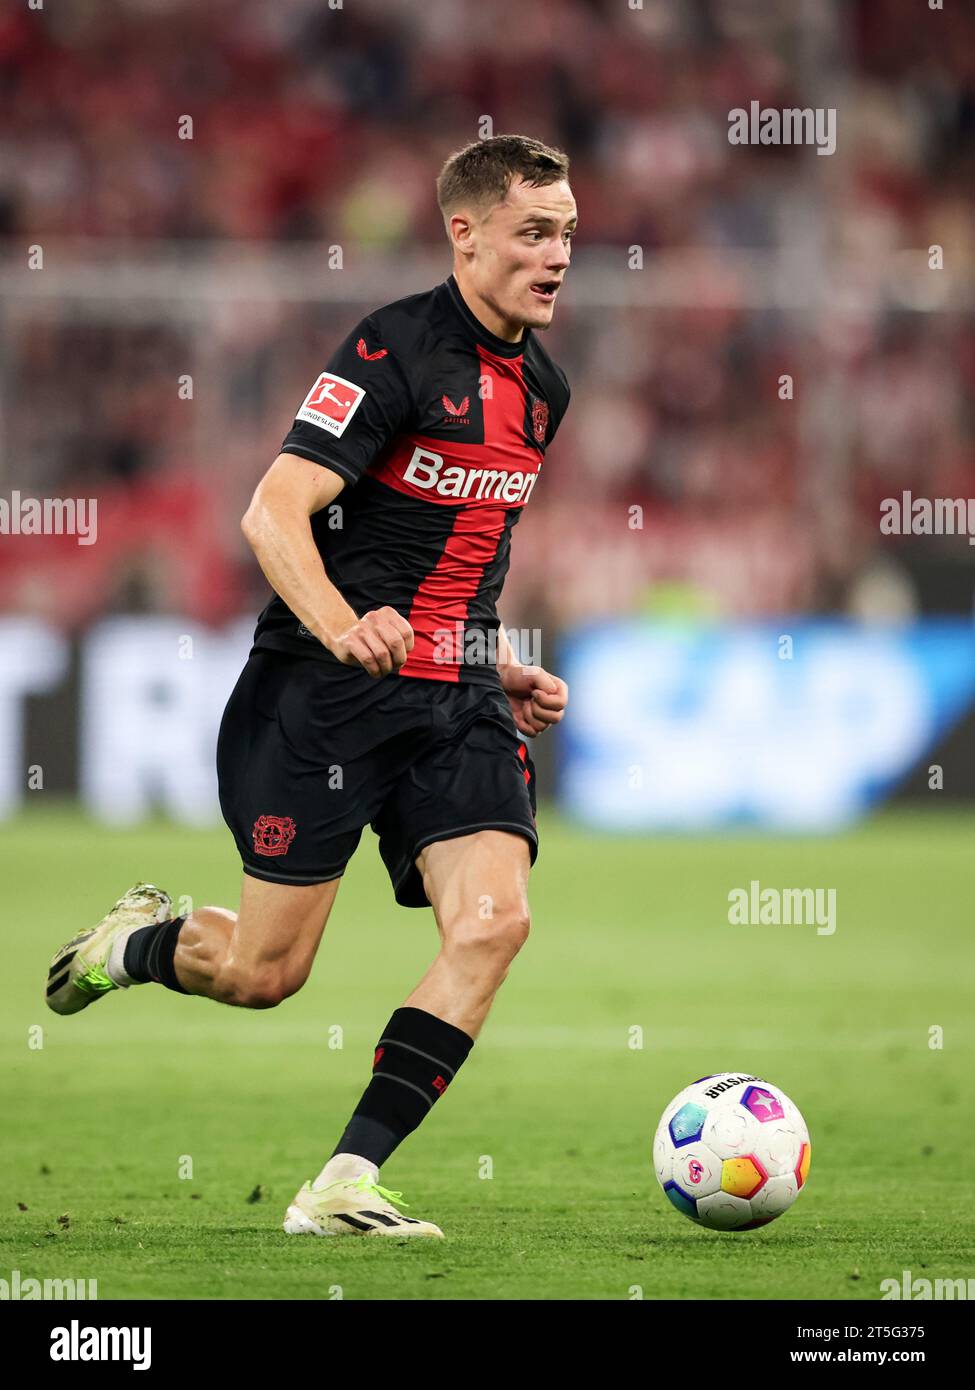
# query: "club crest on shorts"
539,419
273,834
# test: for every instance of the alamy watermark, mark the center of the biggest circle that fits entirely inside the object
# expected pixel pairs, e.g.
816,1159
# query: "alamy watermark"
50,516
16,1288
764,125
477,646
77,1343
757,906
908,515
908,1287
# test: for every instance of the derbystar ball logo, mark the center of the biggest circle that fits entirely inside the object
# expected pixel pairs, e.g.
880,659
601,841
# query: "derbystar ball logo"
713,1092
431,473
331,403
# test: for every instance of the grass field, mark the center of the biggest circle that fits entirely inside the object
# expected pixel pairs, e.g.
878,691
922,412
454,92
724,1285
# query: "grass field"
626,932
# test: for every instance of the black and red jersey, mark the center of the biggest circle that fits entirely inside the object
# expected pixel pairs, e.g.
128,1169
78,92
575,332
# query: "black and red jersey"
439,429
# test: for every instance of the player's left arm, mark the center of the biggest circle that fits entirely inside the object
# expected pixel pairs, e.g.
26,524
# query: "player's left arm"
537,698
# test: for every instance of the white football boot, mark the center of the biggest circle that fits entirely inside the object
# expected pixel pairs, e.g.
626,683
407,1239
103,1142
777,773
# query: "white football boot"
78,975
352,1208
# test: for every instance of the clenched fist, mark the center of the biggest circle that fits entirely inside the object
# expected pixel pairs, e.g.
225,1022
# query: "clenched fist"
379,642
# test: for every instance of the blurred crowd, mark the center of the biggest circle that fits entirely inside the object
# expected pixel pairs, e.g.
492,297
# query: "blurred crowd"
681,477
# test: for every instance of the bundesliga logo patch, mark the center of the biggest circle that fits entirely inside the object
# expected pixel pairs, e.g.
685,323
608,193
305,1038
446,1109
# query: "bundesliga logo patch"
331,403
273,834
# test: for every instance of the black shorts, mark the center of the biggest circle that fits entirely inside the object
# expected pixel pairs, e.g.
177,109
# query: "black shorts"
307,756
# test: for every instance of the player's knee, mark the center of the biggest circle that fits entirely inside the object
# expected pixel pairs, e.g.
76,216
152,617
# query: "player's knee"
499,934
262,994
516,926
262,988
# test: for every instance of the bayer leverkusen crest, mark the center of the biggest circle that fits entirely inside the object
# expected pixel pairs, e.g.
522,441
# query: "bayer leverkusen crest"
273,834
539,419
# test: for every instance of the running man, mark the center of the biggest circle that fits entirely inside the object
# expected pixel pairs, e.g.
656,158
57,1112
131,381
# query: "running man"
381,688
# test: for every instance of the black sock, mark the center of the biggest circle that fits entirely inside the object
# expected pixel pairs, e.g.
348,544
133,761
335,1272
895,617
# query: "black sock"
416,1059
149,954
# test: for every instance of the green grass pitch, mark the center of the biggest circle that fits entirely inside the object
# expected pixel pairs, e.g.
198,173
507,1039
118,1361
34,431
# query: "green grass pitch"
554,1103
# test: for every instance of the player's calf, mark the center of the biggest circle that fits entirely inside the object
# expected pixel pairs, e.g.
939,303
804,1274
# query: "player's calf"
259,956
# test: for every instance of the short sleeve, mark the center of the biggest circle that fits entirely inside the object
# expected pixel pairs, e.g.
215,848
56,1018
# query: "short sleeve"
357,404
561,405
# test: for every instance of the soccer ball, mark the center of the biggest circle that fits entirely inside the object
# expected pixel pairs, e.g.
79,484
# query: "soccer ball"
731,1152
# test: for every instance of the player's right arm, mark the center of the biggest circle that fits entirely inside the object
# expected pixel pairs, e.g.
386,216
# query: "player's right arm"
277,526
358,403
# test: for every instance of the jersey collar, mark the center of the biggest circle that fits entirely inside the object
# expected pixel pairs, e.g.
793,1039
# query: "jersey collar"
484,336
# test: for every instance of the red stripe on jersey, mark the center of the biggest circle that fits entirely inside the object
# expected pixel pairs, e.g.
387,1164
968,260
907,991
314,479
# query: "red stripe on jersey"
442,600
504,410
482,482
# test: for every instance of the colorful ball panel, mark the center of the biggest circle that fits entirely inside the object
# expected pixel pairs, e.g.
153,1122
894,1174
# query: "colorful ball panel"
686,1125
742,1176
763,1104
680,1199
802,1169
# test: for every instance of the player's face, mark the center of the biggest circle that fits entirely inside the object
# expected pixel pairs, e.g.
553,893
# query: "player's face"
523,248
